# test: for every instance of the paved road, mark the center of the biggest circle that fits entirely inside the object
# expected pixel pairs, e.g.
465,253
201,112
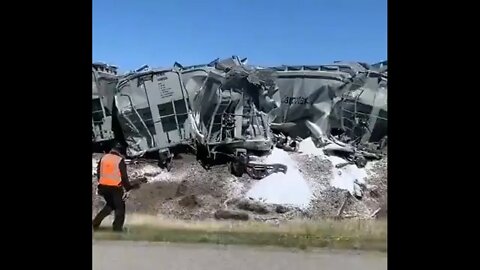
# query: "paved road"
156,256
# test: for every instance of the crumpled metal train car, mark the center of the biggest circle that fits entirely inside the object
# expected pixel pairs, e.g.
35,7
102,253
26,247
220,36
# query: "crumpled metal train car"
213,109
346,98
226,110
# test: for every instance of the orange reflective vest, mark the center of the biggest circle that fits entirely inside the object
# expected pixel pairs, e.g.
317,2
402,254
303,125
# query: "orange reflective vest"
109,171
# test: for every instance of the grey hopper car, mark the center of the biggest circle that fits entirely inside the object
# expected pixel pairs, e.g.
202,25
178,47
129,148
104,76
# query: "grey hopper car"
347,98
104,81
153,112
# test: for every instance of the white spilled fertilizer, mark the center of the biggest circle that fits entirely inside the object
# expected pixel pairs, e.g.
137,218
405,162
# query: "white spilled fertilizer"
152,173
342,178
345,177
279,188
308,147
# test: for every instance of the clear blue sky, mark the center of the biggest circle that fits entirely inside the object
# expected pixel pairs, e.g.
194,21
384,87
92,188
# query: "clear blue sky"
130,33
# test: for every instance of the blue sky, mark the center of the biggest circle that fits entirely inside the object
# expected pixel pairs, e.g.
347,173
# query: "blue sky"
130,33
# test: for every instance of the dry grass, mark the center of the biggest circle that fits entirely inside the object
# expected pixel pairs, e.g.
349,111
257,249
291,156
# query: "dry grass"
347,234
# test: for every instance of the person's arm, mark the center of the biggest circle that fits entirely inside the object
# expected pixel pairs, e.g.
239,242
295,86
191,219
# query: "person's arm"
125,181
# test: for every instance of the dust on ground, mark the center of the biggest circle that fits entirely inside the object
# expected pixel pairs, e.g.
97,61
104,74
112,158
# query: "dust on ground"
191,192
188,191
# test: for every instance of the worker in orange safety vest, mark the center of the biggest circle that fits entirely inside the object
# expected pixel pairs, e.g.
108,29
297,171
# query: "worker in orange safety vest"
113,186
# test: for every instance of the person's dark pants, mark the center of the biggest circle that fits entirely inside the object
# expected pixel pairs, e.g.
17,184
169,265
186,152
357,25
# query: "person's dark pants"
114,202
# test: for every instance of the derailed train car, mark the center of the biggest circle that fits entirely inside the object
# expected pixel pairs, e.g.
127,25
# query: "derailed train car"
104,81
346,99
153,112
361,114
232,124
226,111
212,109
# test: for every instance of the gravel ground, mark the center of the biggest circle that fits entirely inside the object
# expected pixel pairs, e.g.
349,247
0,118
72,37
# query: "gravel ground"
188,191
